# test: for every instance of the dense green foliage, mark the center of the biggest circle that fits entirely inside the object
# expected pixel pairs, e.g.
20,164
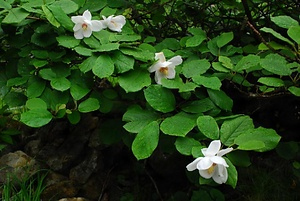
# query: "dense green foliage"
47,74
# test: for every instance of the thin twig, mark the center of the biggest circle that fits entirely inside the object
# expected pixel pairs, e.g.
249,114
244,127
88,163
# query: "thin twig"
154,184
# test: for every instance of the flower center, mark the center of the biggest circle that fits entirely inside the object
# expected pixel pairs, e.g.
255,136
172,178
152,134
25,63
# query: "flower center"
211,169
164,70
84,26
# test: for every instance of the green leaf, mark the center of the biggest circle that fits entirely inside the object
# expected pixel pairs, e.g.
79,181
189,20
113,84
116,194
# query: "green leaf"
60,84
195,67
50,17
184,145
138,53
16,81
83,51
224,39
35,87
220,99
67,41
93,5
36,118
36,104
276,34
208,126
88,64
134,80
80,85
271,81
108,47
294,33
5,5
251,145
159,98
89,105
66,6
15,16
138,118
146,141
231,129
284,21
178,125
122,62
198,106
247,62
195,41
268,137
239,158
74,117
232,174
276,64
61,16
104,66
226,62
208,82
294,90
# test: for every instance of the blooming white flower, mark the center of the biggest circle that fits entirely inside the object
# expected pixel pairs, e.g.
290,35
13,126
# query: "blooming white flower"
84,25
212,165
114,23
163,68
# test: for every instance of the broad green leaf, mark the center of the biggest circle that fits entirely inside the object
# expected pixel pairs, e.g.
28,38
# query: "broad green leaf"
208,82
138,53
35,87
168,43
16,81
146,141
15,16
231,129
294,90
14,99
67,41
83,51
80,85
67,6
36,118
137,118
60,84
194,41
267,136
195,67
196,31
178,125
275,64
198,106
251,145
239,158
125,38
122,62
93,5
294,33
271,81
185,145
232,174
284,21
276,34
224,39
88,64
134,80
36,104
61,16
220,99
108,47
226,62
53,98
104,66
50,17
5,5
218,66
89,105
208,127
74,117
159,98
247,62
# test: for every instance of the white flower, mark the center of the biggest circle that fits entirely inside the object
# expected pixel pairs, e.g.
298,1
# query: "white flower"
163,68
212,165
114,23
84,25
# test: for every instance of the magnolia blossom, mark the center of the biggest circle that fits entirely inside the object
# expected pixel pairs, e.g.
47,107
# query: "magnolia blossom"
163,68
114,23
84,25
212,165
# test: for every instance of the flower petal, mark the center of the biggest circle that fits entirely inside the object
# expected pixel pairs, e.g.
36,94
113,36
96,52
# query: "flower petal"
77,19
87,33
158,76
224,151
154,67
220,175
171,73
87,15
120,19
205,174
218,160
78,34
160,57
212,149
77,27
96,25
204,164
177,60
193,165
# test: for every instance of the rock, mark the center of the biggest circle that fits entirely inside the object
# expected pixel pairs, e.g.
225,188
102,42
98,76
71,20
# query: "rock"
60,190
73,199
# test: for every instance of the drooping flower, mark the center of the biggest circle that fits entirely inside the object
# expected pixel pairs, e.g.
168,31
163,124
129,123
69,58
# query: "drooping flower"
212,165
163,68
84,25
114,23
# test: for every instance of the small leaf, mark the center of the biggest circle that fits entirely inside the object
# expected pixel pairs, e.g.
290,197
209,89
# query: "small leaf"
36,103
247,62
67,41
146,141
275,64
284,21
208,82
104,66
277,35
294,33
50,17
195,67
220,99
232,174
35,87
60,84
198,106
122,62
159,98
74,117
271,81
61,16
208,126
251,145
36,118
178,125
88,64
185,145
134,80
294,90
15,16
89,105
224,39
195,41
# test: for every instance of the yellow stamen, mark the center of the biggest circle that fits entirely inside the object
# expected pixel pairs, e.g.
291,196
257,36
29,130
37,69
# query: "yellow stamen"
211,169
84,26
164,70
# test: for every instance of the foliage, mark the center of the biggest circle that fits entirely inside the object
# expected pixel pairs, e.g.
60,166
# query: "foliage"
47,74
